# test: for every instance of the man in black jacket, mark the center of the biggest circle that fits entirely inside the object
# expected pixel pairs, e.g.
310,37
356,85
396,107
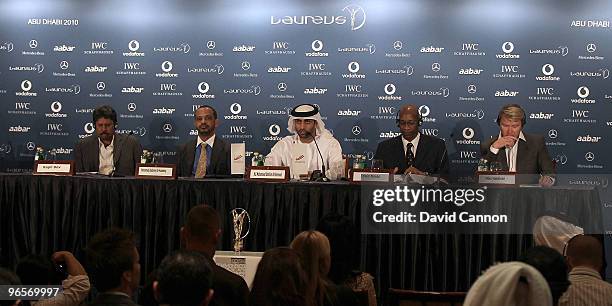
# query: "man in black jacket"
412,152
201,233
207,154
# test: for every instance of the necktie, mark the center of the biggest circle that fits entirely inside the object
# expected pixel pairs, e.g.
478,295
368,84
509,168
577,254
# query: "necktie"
409,155
202,162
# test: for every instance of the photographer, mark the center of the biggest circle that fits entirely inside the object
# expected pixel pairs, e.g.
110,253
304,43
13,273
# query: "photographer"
38,270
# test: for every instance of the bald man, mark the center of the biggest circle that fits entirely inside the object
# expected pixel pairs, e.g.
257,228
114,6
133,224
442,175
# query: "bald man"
412,152
585,259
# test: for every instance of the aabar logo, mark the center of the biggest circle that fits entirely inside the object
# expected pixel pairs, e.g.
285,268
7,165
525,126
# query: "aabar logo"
589,138
349,112
132,89
506,93
19,129
164,111
470,71
541,115
315,91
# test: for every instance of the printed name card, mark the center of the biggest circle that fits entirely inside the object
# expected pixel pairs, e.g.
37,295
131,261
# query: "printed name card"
268,173
54,167
368,175
505,178
157,171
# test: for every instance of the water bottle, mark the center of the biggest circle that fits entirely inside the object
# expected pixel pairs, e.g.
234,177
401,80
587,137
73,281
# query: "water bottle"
40,154
483,165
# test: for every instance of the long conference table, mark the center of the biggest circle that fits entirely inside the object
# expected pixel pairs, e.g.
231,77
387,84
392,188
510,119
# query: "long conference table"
42,214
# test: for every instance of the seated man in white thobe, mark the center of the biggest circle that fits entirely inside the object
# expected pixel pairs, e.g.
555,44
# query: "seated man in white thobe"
299,151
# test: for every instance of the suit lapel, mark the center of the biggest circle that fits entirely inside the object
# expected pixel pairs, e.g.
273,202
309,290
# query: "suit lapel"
216,154
521,151
117,144
190,154
398,146
95,148
422,151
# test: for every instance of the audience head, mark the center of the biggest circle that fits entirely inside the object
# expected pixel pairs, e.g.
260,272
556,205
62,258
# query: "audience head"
551,265
280,280
584,251
113,262
8,278
344,242
184,278
201,231
555,231
36,270
509,284
314,251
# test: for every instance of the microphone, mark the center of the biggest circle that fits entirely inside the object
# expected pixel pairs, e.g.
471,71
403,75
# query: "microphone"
317,175
440,164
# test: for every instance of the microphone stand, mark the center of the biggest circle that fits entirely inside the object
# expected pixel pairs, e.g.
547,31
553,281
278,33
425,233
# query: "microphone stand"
317,175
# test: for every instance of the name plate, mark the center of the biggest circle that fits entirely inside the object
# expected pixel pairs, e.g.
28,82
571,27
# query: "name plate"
497,178
157,171
268,173
243,264
369,175
53,167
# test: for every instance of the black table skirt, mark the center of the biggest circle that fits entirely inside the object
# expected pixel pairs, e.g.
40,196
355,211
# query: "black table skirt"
41,214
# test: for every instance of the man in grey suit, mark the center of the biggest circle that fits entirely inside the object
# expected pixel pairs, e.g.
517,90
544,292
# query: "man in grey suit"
522,153
207,154
107,152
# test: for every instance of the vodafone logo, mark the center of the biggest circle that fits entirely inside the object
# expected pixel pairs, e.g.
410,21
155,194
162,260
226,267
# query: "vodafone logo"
166,66
583,92
26,85
548,69
235,108
89,128
203,87
56,107
468,133
508,47
353,67
274,130
390,89
134,45
317,45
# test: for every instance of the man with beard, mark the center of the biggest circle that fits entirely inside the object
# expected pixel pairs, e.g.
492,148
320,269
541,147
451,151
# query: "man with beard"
207,154
413,152
306,125
107,152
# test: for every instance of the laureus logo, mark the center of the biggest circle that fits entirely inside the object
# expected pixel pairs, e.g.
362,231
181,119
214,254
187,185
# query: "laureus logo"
355,15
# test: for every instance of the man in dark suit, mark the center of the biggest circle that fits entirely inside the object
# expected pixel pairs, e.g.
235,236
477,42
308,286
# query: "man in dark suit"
113,264
107,152
519,152
184,278
207,154
201,233
412,152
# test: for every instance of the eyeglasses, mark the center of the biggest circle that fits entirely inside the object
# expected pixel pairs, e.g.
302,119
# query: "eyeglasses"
409,122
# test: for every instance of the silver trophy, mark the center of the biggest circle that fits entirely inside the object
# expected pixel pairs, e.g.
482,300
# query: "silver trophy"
238,216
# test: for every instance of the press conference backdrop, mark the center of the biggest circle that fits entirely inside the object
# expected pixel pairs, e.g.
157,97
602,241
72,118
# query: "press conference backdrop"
155,62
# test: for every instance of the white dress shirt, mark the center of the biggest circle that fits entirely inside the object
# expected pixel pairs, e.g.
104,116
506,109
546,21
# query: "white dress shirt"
106,157
510,153
414,142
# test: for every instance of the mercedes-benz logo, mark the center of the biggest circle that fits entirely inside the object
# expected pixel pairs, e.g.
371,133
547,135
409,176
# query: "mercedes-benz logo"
397,45
30,146
64,65
282,86
435,67
246,65
33,44
210,44
167,127
591,48
471,88
548,69
131,106
274,130
356,130
589,156
100,86
552,134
